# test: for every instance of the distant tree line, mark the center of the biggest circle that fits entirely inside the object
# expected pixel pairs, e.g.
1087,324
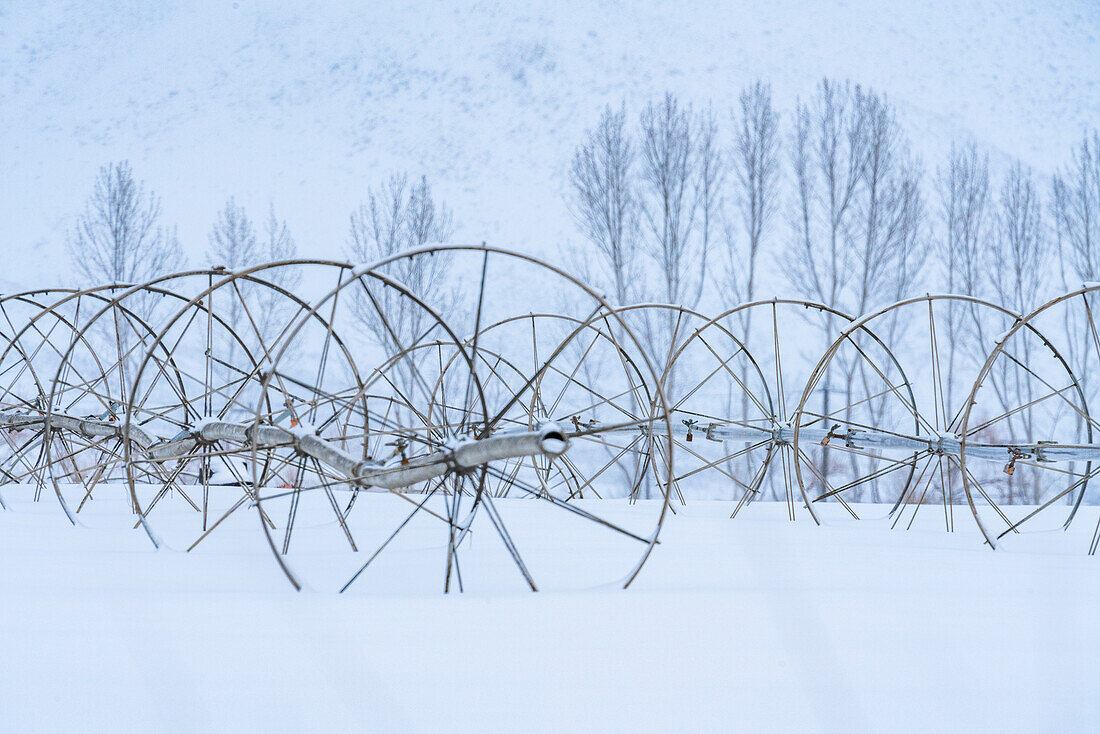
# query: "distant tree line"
683,198
827,202
119,240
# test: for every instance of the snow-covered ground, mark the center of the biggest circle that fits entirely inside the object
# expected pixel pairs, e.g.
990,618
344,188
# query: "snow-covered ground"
754,624
751,624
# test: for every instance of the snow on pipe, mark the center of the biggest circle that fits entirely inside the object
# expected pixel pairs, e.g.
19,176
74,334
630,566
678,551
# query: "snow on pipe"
87,427
547,440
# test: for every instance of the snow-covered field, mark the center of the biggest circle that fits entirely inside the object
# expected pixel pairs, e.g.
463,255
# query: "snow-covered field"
754,624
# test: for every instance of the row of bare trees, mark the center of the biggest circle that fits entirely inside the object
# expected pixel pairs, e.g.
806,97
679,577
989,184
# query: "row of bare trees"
835,208
838,200
829,203
119,239
654,200
686,201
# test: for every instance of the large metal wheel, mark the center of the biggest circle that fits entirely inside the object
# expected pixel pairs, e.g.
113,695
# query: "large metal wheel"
89,387
1028,440
205,370
891,433
31,348
714,387
738,377
456,526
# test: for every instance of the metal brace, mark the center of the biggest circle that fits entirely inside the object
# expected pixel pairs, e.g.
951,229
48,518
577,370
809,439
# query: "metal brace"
1040,454
580,425
400,445
848,436
830,435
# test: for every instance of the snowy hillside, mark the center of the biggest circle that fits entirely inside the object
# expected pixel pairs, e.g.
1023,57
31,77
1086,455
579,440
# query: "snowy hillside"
307,105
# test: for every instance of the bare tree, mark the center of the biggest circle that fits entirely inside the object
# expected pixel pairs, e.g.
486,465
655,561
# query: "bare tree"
277,245
1076,210
1021,248
1021,253
604,203
889,210
233,239
962,249
232,245
670,202
963,189
755,162
118,238
257,312
829,153
756,168
887,253
858,206
711,166
889,250
395,218
857,213
681,180
828,158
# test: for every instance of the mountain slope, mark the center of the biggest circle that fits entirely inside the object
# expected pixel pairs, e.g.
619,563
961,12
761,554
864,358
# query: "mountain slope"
307,105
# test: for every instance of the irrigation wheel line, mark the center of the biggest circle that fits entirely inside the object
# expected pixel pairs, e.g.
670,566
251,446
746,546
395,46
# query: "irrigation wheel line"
22,385
893,418
757,432
89,407
678,342
500,379
51,337
88,389
881,399
474,533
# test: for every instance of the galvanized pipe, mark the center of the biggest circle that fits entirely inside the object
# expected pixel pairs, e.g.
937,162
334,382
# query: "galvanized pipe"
1045,451
547,440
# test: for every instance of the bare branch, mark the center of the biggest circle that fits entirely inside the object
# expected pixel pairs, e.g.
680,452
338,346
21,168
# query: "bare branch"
604,203
118,238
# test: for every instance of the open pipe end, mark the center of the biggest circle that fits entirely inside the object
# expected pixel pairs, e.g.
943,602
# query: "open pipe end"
552,440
